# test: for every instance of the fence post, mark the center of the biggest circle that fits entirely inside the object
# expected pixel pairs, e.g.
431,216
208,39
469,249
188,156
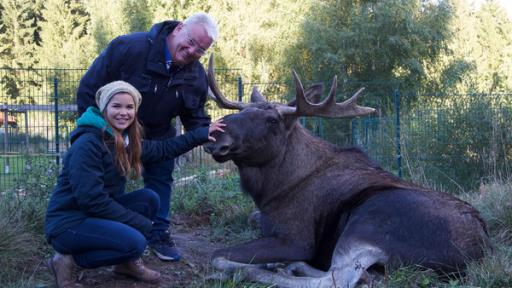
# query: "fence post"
240,88
57,136
397,136
355,132
6,143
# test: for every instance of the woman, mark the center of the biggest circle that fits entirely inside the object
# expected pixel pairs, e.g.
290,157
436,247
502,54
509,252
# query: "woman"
90,221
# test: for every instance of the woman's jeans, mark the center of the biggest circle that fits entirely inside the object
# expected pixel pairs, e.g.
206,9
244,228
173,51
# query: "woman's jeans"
100,242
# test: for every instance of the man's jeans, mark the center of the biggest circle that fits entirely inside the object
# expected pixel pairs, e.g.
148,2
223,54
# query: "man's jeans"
157,177
100,242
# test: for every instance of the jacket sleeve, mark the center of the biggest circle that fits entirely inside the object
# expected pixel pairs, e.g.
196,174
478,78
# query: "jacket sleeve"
194,114
157,150
86,175
105,68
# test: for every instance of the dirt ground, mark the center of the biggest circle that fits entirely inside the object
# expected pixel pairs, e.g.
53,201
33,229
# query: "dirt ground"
192,240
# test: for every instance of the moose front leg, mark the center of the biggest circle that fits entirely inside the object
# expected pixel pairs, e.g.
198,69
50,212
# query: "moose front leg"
259,254
266,250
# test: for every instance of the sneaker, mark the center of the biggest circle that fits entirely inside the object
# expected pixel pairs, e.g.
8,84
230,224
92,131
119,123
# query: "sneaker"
164,247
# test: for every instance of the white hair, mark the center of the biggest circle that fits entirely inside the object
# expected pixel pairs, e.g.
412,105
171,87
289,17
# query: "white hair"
206,21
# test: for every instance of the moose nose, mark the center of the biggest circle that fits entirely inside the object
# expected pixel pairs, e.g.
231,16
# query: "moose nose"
223,150
214,149
219,148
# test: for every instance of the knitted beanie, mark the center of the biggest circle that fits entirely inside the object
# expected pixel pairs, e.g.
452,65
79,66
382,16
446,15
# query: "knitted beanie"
105,93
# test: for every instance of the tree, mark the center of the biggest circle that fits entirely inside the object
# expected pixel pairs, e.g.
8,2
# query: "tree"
18,41
65,41
452,71
110,19
373,41
256,35
494,57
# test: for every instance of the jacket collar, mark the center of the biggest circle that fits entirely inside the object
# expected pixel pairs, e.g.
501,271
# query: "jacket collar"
92,117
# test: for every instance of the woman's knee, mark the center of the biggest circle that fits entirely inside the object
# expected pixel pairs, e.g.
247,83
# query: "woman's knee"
144,201
135,246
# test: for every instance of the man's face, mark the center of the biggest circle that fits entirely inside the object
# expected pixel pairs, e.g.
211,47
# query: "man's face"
188,43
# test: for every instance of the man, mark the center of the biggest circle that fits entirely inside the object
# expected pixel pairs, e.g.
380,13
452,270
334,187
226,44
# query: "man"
163,64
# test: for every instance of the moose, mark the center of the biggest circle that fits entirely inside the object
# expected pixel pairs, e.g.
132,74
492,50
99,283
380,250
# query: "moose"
330,215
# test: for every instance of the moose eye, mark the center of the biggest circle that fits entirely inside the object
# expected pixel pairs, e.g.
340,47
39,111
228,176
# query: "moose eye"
272,121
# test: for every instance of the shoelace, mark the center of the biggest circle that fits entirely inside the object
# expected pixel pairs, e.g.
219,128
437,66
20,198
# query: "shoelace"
166,238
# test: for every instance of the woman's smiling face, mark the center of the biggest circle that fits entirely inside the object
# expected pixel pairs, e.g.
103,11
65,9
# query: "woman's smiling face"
121,111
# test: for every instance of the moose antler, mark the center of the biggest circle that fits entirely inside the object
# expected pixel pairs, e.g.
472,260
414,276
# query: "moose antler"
215,93
328,107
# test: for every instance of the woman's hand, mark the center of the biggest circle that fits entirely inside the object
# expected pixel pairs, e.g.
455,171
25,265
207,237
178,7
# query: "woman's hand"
215,126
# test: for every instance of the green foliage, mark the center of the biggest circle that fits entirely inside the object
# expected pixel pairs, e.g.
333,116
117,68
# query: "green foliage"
495,39
457,142
18,24
494,201
18,40
114,18
64,35
494,271
479,52
256,37
22,213
372,40
178,10
411,277
219,200
468,141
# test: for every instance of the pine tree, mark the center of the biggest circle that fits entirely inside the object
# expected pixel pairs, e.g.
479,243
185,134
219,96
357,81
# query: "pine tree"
110,19
18,41
18,38
65,42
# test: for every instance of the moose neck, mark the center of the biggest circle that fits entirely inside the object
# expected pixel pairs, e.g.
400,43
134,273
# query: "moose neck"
300,158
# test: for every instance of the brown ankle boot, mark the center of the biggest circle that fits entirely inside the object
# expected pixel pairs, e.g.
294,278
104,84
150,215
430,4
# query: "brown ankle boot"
63,268
137,270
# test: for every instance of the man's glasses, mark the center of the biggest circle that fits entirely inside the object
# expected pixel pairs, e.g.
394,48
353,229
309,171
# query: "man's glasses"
200,51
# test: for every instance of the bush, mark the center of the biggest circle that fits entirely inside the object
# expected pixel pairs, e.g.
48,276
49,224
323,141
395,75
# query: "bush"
22,211
494,201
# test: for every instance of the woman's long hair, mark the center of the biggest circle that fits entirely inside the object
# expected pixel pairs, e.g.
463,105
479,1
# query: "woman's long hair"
127,158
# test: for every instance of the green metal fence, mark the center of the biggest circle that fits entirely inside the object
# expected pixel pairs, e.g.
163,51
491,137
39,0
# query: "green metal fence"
455,141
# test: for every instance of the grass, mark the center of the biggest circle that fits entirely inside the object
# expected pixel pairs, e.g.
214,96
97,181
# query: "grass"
216,201
22,242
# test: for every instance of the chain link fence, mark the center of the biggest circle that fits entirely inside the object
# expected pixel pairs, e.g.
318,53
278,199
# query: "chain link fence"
456,141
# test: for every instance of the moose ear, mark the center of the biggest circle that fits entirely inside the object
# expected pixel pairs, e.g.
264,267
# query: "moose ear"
313,94
256,96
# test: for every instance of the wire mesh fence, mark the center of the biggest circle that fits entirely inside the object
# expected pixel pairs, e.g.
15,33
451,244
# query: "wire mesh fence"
456,141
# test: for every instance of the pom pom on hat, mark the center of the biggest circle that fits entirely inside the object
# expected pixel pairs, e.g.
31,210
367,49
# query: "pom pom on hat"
105,93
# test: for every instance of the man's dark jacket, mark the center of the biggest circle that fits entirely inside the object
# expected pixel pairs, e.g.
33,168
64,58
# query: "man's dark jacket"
139,59
90,181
